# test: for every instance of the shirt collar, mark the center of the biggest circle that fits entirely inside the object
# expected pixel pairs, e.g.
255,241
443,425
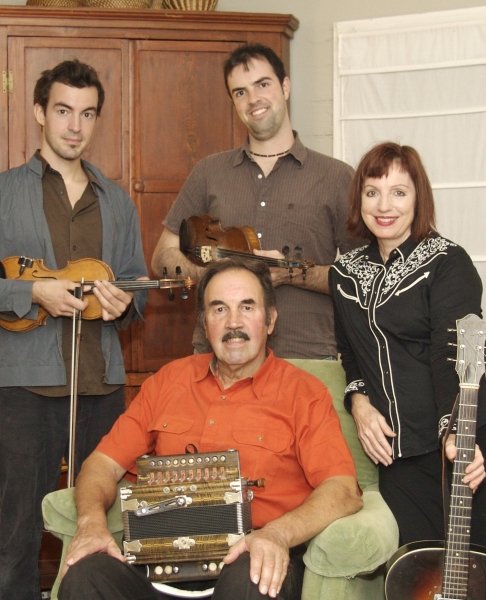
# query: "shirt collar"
203,369
298,151
403,251
92,179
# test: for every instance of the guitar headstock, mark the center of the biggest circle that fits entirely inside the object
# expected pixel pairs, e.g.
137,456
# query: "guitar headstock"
471,331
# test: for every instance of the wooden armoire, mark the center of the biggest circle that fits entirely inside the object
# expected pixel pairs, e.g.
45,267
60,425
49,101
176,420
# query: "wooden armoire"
166,108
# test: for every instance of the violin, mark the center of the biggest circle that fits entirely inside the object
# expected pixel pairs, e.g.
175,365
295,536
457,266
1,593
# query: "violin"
84,271
203,240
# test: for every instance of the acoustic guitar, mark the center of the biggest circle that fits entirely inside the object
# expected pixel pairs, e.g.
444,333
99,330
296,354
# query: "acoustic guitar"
455,570
203,240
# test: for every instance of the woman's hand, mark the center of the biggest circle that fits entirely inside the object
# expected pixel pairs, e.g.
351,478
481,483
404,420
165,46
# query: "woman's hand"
474,472
372,430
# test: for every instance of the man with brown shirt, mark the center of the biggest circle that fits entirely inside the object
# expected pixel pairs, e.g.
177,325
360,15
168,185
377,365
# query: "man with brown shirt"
58,208
291,195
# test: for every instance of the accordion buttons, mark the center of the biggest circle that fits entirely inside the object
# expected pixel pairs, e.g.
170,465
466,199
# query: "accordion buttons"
158,570
213,567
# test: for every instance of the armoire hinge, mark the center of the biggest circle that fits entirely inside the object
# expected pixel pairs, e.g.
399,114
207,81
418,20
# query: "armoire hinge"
7,82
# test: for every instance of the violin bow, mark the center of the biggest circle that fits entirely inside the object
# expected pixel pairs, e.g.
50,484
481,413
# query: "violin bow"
73,409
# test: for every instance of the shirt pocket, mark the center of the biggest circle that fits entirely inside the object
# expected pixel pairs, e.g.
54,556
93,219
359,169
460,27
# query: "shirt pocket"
172,434
262,452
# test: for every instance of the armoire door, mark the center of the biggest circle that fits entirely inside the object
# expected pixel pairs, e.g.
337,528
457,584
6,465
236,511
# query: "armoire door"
182,114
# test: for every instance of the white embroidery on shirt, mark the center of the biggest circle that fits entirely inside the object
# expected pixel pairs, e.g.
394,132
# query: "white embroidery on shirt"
365,271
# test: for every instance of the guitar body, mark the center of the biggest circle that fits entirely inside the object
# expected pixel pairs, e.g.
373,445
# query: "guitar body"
415,572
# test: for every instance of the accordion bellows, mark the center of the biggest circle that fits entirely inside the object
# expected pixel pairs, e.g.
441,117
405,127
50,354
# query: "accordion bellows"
184,514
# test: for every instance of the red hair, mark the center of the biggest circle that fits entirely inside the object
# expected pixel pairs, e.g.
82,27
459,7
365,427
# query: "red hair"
376,164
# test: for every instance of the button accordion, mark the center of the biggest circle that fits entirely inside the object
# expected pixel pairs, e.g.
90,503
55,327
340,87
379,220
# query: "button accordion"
184,513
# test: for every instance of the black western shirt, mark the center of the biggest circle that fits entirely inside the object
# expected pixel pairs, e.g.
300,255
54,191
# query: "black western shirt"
391,329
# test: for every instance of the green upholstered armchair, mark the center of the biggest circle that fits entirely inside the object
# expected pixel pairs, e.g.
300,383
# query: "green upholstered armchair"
343,562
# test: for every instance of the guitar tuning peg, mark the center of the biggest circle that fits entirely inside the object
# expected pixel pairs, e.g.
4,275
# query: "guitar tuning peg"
171,294
298,252
452,344
184,293
165,273
451,360
291,272
285,251
451,330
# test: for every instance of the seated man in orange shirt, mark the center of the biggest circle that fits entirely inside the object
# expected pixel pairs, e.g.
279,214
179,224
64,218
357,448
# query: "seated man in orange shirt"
281,420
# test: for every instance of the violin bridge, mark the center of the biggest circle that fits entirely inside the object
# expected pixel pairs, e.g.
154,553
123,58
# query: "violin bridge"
205,254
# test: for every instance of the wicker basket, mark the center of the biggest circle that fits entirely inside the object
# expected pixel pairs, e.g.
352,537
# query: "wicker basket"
60,3
118,3
191,4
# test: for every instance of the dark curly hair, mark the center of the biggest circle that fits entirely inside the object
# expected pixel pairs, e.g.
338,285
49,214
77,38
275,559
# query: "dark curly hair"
70,72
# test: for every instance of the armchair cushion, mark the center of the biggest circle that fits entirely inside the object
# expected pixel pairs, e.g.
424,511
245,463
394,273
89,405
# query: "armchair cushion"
331,373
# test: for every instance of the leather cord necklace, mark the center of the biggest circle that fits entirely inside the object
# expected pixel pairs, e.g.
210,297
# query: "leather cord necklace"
270,155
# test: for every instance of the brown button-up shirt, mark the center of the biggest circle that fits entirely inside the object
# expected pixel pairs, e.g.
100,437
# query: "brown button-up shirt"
76,233
302,203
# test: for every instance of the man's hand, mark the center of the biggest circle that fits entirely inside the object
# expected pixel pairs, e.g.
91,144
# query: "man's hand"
112,299
316,279
55,297
269,558
372,430
90,538
475,473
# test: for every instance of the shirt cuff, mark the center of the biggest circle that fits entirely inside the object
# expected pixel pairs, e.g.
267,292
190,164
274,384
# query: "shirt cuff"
357,386
444,424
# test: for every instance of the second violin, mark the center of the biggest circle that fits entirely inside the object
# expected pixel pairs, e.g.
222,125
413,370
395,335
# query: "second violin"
202,240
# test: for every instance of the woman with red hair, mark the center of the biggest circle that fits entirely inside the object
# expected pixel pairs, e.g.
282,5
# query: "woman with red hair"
395,300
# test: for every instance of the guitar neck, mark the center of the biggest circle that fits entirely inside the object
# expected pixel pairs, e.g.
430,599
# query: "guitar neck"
456,557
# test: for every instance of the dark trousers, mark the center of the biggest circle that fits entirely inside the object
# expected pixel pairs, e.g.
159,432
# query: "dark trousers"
34,434
412,488
102,577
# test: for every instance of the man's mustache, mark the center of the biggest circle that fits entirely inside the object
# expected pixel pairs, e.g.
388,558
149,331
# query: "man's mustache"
231,335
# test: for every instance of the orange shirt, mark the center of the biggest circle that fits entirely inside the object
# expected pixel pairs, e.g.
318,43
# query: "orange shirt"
281,420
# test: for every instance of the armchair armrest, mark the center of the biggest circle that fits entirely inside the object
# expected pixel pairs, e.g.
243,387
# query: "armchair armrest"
356,544
60,518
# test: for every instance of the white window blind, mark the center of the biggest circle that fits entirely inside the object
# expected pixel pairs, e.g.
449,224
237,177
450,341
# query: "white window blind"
420,80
